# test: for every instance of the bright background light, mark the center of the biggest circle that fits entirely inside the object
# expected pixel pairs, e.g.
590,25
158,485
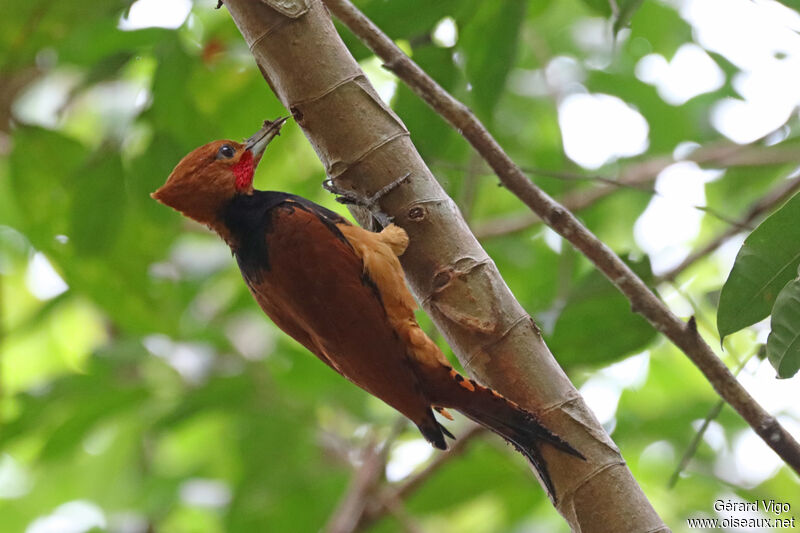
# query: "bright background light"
691,72
761,39
156,14
599,128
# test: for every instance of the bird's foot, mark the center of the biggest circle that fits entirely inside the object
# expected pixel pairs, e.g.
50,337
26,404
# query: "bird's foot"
369,203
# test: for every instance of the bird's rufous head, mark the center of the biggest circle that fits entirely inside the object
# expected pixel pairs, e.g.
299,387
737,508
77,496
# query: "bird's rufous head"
207,179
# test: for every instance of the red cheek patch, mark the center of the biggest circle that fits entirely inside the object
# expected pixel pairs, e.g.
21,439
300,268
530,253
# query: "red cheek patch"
244,170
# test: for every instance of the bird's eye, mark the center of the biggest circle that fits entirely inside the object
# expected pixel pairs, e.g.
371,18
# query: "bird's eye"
226,151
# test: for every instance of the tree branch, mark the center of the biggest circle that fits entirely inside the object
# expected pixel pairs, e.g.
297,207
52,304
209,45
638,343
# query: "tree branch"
642,300
763,205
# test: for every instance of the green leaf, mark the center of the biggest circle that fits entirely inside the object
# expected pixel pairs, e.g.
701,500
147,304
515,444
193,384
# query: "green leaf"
98,204
42,166
783,343
105,69
767,261
660,26
596,310
432,136
173,111
110,43
535,293
793,4
599,6
626,10
489,42
393,18
538,8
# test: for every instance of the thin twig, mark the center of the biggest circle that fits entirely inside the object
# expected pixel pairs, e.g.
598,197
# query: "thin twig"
564,222
610,186
713,413
763,205
712,212
563,175
413,483
617,184
459,446
399,511
577,176
640,176
364,485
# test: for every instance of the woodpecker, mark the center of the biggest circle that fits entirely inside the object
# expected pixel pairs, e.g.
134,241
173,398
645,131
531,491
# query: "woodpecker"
339,290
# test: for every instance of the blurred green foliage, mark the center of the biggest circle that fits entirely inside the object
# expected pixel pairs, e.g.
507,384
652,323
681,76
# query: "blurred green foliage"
154,389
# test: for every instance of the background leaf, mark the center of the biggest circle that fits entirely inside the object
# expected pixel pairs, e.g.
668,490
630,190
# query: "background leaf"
767,260
626,10
783,343
595,310
489,40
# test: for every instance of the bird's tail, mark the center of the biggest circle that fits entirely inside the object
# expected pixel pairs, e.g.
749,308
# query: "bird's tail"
504,417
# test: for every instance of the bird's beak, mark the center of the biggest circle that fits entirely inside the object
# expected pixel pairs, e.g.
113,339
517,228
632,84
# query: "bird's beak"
258,142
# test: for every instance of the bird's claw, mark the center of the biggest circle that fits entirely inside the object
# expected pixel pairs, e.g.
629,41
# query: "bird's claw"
370,203
343,196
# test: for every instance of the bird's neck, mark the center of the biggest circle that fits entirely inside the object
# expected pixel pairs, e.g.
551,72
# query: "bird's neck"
246,216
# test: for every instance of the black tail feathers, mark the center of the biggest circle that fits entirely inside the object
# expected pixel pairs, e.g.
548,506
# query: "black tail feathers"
524,431
434,432
517,426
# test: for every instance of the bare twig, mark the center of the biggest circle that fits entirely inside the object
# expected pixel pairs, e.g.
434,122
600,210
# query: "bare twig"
640,176
364,484
577,176
367,502
563,175
399,511
413,483
762,206
713,413
564,222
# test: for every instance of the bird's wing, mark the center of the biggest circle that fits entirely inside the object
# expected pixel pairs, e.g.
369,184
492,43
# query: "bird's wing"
378,252
316,288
